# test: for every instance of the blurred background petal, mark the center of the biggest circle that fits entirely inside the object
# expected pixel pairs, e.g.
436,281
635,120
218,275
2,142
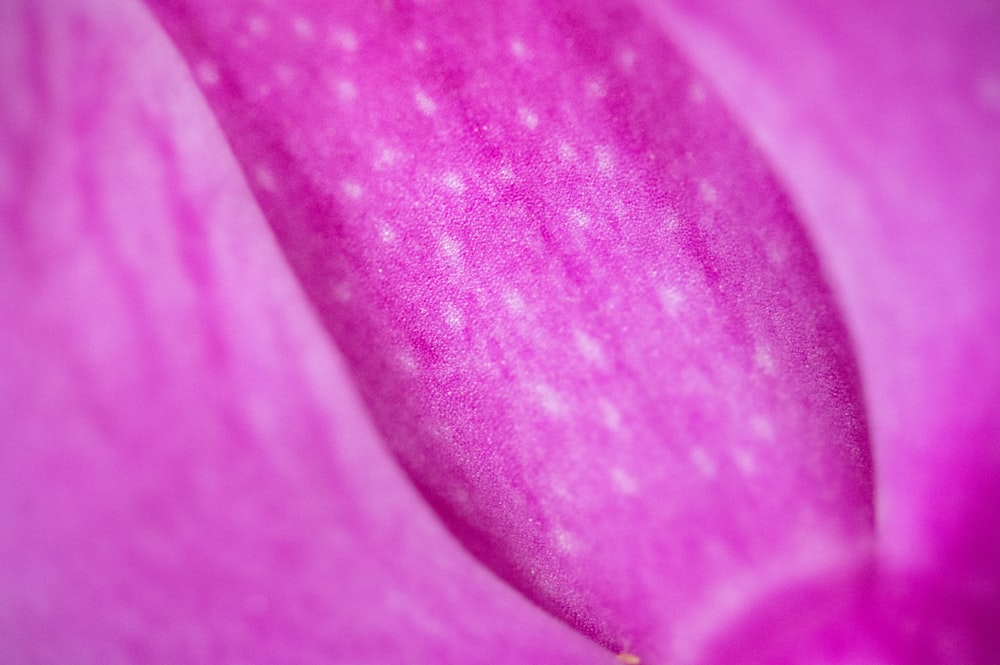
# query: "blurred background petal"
883,120
186,473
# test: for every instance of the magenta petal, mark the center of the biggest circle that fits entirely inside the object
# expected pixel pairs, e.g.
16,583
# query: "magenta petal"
186,475
884,121
580,308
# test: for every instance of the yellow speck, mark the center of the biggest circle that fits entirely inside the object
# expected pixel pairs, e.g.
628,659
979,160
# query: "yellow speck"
629,658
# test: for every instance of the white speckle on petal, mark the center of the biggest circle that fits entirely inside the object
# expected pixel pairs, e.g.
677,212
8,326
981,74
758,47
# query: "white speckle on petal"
386,233
567,152
549,399
697,93
407,362
626,59
352,190
671,299
588,347
454,182
207,73
707,192
762,428
347,91
528,118
284,72
450,247
604,162
745,461
610,415
624,481
386,157
344,39
453,315
518,49
596,89
703,462
257,25
578,217
265,178
303,28
420,44
426,105
566,541
763,360
514,302
341,292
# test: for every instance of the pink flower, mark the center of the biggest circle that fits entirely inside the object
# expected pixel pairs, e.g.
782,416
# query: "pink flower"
542,331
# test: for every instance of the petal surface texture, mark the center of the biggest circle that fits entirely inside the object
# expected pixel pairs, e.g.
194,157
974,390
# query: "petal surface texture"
186,474
883,119
580,308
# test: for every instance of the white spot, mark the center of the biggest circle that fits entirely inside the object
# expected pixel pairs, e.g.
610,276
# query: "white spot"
588,347
518,49
671,299
697,93
386,233
341,292
352,190
567,153
407,362
303,28
777,252
566,541
344,39
424,103
703,462
610,415
454,182
745,461
420,44
265,178
450,247
284,73
506,173
347,91
528,118
763,360
386,157
624,481
672,221
762,428
604,162
453,315
596,89
257,25
207,73
578,217
549,399
514,302
707,192
626,59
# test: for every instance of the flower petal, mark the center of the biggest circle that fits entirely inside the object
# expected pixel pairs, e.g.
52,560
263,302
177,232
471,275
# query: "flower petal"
883,119
186,474
577,303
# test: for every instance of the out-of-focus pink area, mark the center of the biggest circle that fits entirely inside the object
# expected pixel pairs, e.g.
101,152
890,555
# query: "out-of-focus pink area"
883,120
187,473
